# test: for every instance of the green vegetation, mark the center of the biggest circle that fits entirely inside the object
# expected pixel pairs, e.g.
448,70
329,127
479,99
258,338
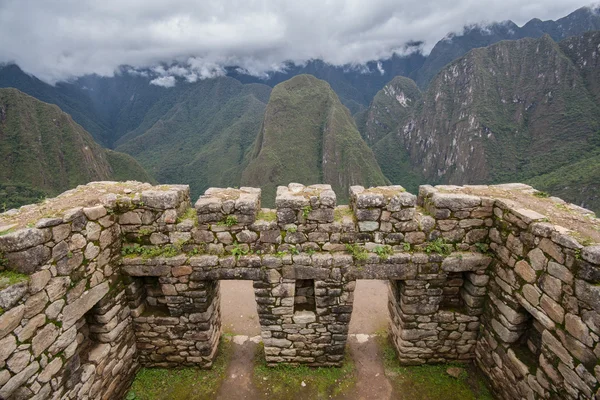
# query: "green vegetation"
269,216
578,182
239,250
438,246
182,384
286,382
136,250
8,278
541,194
359,253
384,252
230,220
13,195
482,247
432,382
199,134
304,124
306,211
389,111
43,152
126,168
191,214
406,246
342,211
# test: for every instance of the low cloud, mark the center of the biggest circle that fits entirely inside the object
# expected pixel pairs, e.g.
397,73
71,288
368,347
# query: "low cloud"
164,81
59,40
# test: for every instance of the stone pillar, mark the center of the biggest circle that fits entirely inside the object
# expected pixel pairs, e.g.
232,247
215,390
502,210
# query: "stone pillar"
295,333
422,329
176,313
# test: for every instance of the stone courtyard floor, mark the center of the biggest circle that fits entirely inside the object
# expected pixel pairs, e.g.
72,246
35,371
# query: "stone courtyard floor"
370,371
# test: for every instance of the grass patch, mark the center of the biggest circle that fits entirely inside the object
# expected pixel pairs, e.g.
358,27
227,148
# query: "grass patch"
190,213
135,250
358,252
269,216
8,278
284,382
438,246
384,252
342,211
230,220
432,382
182,384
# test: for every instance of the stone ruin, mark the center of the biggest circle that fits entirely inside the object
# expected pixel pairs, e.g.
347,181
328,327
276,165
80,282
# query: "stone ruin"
128,277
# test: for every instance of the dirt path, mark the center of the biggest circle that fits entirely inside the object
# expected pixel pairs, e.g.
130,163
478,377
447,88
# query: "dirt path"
238,383
371,382
370,316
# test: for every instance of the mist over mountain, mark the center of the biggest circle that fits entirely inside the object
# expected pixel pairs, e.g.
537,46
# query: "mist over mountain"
491,103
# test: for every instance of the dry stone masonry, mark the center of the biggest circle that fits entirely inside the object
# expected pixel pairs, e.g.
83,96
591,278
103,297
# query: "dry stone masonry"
128,275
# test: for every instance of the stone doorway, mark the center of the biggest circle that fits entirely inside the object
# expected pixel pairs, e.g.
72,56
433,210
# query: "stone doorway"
370,313
238,308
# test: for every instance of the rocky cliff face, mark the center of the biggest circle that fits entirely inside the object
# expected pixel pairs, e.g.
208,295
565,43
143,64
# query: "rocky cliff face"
308,136
514,110
454,46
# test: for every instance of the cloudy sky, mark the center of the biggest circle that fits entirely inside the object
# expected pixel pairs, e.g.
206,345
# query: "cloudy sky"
60,39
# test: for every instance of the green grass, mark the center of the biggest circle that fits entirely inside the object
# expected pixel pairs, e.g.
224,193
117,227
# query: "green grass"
438,246
285,382
190,213
432,382
358,252
269,216
8,278
181,384
384,252
342,211
230,220
135,250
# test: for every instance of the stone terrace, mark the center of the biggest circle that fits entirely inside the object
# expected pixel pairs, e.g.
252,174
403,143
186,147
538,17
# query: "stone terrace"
130,278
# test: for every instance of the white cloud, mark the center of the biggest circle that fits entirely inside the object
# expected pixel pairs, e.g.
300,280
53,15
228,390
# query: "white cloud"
164,81
60,39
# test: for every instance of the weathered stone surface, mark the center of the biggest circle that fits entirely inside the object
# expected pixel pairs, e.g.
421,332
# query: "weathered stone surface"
7,346
44,338
11,295
72,312
524,270
31,326
576,327
24,239
19,379
94,213
28,261
57,287
10,320
18,361
304,317
162,200
146,270
50,370
35,304
455,202
38,280
591,254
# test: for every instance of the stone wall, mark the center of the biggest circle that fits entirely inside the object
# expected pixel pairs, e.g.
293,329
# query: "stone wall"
132,279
